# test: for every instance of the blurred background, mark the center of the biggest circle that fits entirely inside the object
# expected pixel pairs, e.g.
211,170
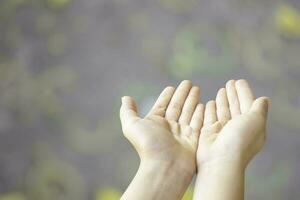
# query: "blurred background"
64,64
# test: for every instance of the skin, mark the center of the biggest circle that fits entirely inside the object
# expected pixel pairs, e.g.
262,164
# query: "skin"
166,141
234,131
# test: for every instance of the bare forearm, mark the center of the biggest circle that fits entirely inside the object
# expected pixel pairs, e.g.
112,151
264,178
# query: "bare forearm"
158,180
220,181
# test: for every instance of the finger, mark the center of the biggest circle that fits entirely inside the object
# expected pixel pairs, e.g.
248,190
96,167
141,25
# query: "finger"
162,102
245,95
261,105
128,111
234,105
210,115
197,118
190,105
174,109
214,128
223,112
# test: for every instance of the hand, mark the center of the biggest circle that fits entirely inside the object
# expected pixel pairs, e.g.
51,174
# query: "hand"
234,127
170,130
233,132
166,141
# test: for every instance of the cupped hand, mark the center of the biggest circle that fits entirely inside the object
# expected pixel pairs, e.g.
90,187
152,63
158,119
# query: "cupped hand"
234,128
170,130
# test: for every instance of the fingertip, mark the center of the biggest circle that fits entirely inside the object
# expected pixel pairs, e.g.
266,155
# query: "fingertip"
269,101
230,82
186,82
265,101
221,91
201,106
261,104
129,102
195,90
125,99
242,80
170,88
211,102
241,83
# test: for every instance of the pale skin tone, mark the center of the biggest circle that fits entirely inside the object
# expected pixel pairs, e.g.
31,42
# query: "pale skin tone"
168,143
234,131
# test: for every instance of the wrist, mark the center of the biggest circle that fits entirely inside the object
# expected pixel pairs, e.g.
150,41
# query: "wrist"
222,166
220,179
221,171
169,167
215,162
155,178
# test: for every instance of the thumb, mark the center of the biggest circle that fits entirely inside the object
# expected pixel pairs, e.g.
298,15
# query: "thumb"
261,105
128,111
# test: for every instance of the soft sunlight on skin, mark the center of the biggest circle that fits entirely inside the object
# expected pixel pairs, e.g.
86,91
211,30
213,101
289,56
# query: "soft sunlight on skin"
166,141
170,149
234,131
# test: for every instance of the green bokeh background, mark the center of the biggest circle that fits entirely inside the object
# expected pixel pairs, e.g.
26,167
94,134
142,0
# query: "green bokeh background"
64,64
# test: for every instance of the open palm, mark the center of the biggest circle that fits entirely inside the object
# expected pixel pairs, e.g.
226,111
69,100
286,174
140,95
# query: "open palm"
234,125
172,126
